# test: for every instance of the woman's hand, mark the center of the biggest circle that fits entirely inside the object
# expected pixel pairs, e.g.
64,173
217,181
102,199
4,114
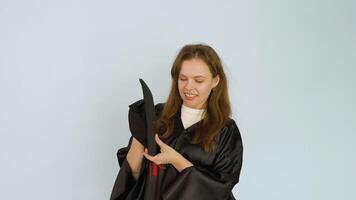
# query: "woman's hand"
168,155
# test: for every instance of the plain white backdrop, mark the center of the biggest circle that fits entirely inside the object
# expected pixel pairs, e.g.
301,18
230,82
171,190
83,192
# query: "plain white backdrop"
69,70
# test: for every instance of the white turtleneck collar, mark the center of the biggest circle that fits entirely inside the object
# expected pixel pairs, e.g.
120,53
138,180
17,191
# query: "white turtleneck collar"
190,116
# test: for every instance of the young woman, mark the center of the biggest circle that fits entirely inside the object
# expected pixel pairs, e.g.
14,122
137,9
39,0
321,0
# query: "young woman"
200,145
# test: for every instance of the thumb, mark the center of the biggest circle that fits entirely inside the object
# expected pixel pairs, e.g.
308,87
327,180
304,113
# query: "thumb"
158,140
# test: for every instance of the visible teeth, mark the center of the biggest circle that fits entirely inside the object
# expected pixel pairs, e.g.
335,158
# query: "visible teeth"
189,95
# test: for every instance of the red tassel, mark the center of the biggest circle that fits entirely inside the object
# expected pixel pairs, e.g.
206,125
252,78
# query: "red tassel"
155,169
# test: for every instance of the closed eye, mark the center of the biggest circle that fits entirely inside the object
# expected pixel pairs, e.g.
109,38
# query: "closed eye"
182,79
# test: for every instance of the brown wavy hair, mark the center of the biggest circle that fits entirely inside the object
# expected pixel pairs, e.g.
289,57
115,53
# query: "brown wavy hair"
218,109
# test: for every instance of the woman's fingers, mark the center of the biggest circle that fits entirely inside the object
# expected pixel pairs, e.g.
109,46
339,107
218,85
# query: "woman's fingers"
159,141
160,158
157,159
145,153
148,156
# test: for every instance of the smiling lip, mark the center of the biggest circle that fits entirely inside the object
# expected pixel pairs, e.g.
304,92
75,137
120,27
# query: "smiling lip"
189,97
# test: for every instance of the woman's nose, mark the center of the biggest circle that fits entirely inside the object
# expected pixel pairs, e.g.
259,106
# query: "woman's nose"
189,84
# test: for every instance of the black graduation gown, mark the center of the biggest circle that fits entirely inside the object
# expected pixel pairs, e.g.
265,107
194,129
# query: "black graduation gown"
212,177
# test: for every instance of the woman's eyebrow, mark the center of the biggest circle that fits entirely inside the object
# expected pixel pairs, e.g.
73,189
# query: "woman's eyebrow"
199,76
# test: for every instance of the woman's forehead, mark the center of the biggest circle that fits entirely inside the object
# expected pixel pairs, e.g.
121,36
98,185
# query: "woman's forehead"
194,68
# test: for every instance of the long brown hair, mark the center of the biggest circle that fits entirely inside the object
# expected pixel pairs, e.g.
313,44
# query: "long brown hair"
218,108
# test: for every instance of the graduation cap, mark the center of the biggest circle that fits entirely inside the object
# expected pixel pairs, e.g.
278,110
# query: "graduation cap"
150,116
152,190
141,116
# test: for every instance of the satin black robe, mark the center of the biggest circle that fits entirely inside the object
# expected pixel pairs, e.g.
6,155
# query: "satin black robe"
212,177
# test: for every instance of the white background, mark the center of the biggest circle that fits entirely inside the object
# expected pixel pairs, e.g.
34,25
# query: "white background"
70,68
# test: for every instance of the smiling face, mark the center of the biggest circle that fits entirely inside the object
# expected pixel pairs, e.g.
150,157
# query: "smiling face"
195,83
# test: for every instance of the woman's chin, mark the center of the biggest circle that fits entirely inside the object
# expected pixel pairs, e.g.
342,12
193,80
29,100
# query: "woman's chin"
192,105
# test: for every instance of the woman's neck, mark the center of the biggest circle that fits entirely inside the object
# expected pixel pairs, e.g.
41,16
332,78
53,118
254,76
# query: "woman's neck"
190,116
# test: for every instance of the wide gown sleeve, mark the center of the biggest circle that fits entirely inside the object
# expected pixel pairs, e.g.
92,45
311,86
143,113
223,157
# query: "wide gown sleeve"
216,183
125,187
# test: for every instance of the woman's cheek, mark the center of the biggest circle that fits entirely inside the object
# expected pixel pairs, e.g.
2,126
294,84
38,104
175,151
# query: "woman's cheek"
204,90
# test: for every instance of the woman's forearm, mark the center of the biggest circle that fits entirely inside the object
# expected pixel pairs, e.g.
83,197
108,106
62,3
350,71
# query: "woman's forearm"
135,157
181,163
